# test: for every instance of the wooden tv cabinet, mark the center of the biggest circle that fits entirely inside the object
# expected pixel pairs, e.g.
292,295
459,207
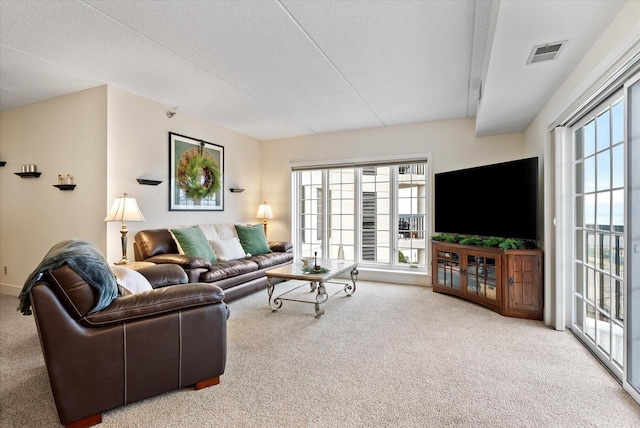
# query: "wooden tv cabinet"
506,281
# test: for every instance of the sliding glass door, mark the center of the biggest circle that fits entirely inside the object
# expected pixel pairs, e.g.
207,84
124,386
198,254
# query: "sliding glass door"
599,232
605,257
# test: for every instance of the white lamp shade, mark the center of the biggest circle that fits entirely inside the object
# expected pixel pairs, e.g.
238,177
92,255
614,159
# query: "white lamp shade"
124,209
264,212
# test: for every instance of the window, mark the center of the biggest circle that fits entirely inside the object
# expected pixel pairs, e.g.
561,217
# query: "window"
376,213
310,219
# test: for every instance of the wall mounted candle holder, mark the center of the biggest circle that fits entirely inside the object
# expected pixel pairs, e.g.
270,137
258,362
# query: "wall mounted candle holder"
148,182
65,186
28,174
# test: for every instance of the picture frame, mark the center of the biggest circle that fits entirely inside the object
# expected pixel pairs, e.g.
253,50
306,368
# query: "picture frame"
196,174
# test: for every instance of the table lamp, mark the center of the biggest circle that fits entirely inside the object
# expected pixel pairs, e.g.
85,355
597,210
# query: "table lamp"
124,209
264,213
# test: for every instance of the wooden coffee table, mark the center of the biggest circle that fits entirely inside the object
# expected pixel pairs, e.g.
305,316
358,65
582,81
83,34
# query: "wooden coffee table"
317,282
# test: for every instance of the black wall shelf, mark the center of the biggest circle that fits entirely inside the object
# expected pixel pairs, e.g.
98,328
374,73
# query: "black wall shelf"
236,190
148,182
3,163
28,174
65,186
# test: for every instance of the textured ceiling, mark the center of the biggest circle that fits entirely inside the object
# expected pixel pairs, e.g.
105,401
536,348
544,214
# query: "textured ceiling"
273,69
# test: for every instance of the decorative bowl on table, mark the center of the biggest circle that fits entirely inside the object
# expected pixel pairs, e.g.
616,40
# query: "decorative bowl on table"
314,269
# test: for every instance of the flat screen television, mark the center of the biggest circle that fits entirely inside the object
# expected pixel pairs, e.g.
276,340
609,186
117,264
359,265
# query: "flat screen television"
493,200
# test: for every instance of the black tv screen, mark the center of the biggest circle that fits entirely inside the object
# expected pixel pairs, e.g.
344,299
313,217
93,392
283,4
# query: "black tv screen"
494,200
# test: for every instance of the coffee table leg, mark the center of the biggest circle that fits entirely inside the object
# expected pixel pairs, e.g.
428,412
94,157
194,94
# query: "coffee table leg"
276,303
321,298
350,289
313,286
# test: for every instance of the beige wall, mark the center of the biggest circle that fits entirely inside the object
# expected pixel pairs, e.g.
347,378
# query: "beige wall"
65,135
105,138
452,145
138,146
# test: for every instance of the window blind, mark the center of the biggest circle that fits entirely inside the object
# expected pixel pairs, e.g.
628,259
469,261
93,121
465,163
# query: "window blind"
359,164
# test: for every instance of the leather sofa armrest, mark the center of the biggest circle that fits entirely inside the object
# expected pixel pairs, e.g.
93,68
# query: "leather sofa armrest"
155,302
164,274
182,260
281,246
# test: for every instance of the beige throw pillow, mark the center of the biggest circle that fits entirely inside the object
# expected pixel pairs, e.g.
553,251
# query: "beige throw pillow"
228,249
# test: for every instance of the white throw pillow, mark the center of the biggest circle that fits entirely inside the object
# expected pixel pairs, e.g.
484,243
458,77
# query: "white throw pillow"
129,281
228,249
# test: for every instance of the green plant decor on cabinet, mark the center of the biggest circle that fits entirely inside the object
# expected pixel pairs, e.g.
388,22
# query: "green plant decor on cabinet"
504,243
512,244
445,237
472,240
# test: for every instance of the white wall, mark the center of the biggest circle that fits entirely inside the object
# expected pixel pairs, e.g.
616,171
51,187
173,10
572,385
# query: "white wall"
138,146
451,143
618,42
65,135
622,36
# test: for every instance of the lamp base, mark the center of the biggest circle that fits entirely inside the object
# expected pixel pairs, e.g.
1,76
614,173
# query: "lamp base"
123,239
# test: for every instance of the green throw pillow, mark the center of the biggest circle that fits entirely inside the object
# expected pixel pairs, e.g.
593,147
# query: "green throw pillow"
194,243
252,239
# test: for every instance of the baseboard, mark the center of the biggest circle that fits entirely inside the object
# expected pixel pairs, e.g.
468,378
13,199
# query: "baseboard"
11,290
407,278
394,277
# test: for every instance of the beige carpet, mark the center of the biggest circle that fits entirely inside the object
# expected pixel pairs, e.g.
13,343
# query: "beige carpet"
390,355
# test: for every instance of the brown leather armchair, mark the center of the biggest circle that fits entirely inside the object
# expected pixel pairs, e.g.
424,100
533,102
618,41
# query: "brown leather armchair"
139,346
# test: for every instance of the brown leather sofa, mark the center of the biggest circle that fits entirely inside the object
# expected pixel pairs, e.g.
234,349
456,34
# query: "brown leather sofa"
237,278
139,346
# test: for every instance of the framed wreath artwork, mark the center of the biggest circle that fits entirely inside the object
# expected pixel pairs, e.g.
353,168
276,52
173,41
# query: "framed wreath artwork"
196,174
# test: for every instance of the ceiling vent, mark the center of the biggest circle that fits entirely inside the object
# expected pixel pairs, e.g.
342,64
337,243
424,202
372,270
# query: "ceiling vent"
545,52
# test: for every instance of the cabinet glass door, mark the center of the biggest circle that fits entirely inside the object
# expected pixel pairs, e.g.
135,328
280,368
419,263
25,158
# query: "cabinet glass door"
448,268
481,276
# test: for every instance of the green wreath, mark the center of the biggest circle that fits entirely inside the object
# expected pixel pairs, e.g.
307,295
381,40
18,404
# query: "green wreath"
198,175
